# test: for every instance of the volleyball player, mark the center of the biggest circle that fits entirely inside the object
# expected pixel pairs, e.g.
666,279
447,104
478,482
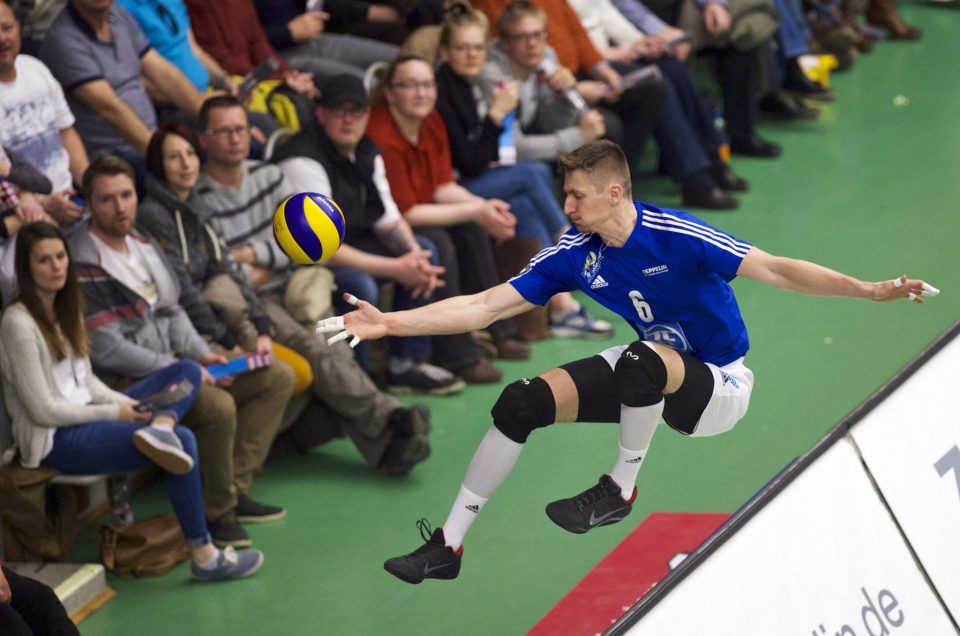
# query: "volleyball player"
667,274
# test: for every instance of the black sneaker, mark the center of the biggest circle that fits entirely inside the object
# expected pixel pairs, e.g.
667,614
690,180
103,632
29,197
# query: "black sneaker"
432,560
425,378
600,505
227,531
250,511
410,444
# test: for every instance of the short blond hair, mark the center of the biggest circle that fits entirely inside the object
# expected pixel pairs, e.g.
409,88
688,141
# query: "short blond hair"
601,160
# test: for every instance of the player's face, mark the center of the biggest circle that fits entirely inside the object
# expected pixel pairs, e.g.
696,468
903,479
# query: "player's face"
526,41
113,204
467,51
227,137
181,165
48,265
9,39
585,205
413,91
345,124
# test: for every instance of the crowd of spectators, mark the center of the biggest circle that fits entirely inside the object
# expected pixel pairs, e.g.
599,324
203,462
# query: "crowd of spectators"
141,161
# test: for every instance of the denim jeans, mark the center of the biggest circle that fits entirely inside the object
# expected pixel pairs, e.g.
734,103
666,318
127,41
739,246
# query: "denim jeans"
527,187
366,287
107,447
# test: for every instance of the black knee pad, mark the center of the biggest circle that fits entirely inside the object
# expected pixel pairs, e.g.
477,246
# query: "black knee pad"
524,406
640,376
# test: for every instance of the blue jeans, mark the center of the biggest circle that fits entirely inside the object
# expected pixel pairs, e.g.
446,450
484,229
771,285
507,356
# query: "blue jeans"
793,34
107,447
366,287
526,186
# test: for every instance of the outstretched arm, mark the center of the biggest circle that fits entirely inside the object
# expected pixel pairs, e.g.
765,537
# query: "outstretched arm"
452,315
815,280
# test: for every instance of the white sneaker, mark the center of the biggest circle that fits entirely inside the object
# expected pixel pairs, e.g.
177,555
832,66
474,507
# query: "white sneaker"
162,446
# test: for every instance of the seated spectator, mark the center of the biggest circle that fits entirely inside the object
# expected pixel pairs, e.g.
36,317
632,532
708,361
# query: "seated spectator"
416,151
38,124
65,418
335,157
231,33
98,53
28,607
137,326
300,35
36,16
736,60
243,196
689,142
629,112
475,122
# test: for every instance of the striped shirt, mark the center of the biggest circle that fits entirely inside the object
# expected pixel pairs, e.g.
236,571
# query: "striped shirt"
669,281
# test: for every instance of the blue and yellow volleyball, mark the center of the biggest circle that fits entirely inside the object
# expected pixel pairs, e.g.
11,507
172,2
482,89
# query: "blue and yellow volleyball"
309,227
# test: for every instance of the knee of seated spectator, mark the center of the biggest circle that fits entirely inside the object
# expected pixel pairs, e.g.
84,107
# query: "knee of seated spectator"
214,408
191,371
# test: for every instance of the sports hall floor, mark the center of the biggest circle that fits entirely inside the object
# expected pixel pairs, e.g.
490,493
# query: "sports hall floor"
872,188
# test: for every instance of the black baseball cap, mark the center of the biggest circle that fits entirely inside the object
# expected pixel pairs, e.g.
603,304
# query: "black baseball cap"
342,89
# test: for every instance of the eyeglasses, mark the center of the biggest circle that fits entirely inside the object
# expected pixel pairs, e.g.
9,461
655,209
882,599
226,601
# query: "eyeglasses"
530,36
409,85
348,110
224,133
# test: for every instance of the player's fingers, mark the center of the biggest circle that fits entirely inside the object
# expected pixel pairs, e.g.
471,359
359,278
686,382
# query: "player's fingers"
354,342
929,290
898,282
350,298
343,335
330,324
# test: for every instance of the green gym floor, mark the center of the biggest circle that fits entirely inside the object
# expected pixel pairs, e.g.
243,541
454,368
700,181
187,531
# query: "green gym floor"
872,188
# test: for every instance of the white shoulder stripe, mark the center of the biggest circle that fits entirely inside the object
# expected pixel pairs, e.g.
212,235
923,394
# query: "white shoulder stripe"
662,221
565,243
738,252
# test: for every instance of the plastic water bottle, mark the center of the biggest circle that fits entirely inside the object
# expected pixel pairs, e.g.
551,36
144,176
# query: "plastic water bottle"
507,153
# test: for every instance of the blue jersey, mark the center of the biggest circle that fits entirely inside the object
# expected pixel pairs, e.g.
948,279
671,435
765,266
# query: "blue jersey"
669,281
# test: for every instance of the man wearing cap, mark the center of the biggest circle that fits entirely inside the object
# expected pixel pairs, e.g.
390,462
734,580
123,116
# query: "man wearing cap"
337,158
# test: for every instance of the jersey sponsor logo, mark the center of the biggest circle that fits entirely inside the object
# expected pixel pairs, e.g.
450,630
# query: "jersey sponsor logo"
667,333
598,282
658,269
591,266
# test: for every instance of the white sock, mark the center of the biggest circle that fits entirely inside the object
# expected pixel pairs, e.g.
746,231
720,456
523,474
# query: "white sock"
637,426
489,467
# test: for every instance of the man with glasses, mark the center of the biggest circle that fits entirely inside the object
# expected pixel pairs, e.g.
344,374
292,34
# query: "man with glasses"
338,159
243,196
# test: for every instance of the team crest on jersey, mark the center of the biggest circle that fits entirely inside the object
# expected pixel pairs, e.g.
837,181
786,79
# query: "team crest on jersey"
670,334
591,265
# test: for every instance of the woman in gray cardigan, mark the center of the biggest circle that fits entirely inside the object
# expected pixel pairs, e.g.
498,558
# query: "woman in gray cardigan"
65,418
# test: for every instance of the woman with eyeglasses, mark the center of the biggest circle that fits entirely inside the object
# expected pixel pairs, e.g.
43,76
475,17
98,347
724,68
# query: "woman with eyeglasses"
416,151
67,419
475,122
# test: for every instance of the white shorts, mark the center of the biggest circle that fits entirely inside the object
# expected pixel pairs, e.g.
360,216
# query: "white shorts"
732,385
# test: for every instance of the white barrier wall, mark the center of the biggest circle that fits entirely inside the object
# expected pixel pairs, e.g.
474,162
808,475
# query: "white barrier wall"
823,558
911,445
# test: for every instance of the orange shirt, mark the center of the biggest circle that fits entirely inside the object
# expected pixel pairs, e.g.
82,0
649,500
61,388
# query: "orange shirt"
414,171
564,32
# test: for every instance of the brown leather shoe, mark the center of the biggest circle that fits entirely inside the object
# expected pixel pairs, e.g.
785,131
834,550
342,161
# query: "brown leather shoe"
511,349
480,372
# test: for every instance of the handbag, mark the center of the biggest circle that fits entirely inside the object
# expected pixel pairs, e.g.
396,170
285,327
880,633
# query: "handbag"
148,547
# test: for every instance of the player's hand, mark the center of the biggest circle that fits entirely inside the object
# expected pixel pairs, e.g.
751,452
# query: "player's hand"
903,287
366,323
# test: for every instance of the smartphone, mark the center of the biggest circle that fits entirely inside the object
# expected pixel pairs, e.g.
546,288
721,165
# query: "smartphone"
76,198
677,41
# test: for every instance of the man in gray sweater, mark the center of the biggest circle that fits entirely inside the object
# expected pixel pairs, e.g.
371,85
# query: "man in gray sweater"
136,327
243,196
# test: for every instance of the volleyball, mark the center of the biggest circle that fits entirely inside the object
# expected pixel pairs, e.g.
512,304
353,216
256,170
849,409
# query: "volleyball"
309,227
